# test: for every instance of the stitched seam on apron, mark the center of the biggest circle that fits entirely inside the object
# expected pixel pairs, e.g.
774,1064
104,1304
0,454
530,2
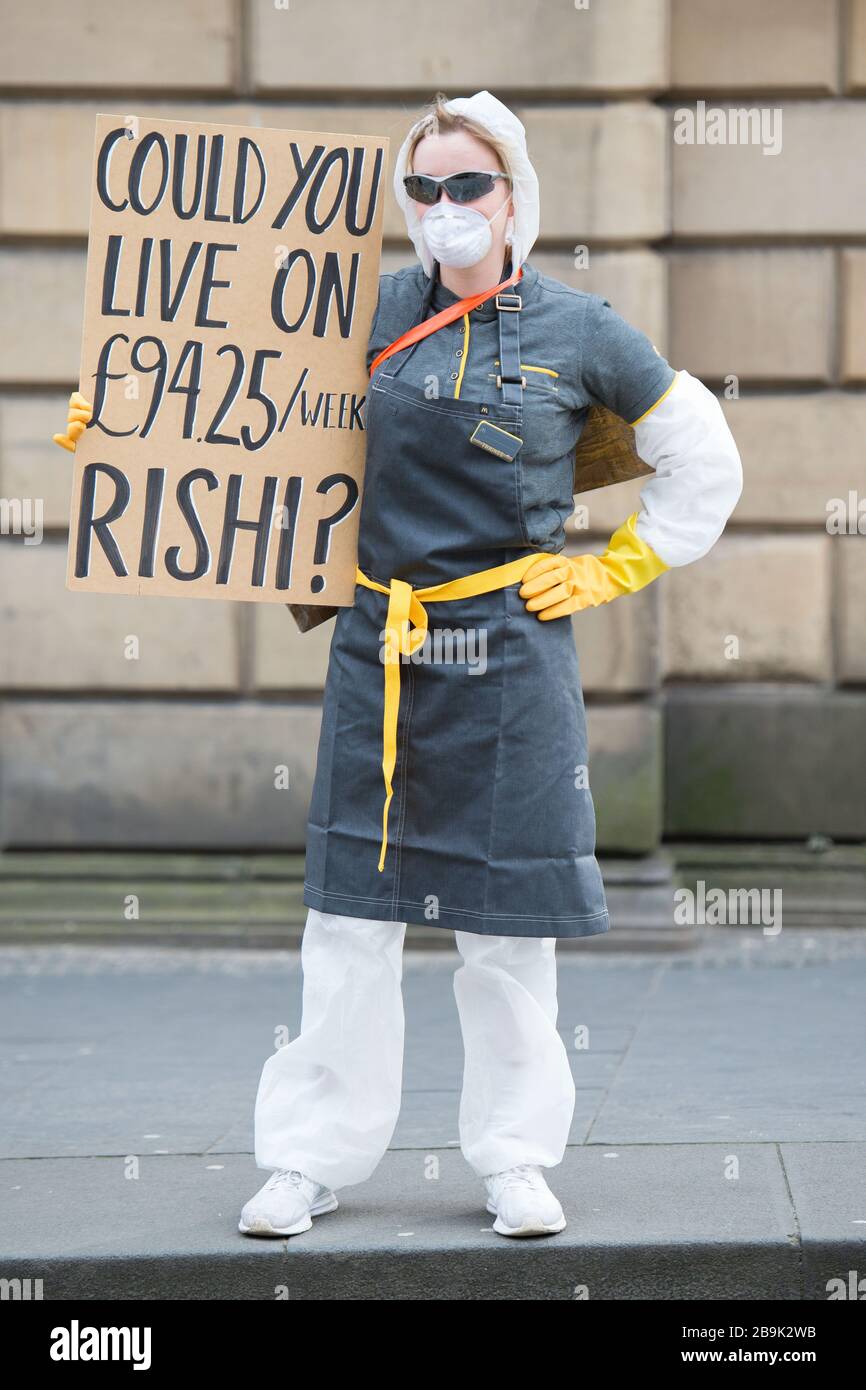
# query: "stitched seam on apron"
582,735
518,495
505,624
459,911
470,411
409,686
336,708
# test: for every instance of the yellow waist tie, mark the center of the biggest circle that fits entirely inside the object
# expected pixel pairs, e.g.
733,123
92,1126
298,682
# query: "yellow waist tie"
405,631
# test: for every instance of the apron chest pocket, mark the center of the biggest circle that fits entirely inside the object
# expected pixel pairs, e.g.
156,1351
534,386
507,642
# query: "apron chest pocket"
496,440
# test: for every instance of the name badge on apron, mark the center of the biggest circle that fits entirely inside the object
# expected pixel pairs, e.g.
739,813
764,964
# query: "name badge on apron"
496,440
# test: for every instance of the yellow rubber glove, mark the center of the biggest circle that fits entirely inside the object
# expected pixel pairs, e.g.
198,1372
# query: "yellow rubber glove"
556,586
80,413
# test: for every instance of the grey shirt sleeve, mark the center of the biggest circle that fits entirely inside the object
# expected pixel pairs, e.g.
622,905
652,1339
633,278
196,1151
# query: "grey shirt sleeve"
621,368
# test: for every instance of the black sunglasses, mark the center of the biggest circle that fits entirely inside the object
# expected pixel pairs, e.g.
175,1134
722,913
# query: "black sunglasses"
461,188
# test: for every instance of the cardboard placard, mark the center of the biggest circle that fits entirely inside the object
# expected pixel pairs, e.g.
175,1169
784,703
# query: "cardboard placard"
232,277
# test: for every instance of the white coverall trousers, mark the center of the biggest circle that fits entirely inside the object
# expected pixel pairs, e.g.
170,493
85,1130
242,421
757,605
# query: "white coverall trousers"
328,1101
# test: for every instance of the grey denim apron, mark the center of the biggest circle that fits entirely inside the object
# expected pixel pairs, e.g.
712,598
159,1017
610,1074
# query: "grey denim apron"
491,828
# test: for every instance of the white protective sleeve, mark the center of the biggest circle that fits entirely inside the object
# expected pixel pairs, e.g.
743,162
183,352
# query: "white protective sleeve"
698,473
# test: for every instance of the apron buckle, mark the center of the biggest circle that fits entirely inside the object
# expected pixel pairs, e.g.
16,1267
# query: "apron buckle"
512,380
512,308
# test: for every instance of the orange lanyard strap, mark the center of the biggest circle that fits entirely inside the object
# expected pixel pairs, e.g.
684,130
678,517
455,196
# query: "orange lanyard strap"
454,311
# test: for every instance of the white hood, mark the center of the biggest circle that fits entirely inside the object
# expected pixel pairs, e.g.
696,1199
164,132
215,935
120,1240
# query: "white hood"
485,109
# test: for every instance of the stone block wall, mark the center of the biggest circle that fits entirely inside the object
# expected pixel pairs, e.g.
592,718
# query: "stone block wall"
727,700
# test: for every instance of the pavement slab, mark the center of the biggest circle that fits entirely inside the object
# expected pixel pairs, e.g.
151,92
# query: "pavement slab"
717,1149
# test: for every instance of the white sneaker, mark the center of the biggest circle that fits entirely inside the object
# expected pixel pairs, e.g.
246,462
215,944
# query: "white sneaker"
522,1202
285,1205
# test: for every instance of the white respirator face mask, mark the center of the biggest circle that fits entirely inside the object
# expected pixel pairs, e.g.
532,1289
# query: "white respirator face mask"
458,236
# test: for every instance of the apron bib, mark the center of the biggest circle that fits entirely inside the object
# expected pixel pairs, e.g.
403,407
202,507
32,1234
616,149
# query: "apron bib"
491,827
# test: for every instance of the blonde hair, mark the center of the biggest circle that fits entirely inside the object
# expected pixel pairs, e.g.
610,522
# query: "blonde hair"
436,119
